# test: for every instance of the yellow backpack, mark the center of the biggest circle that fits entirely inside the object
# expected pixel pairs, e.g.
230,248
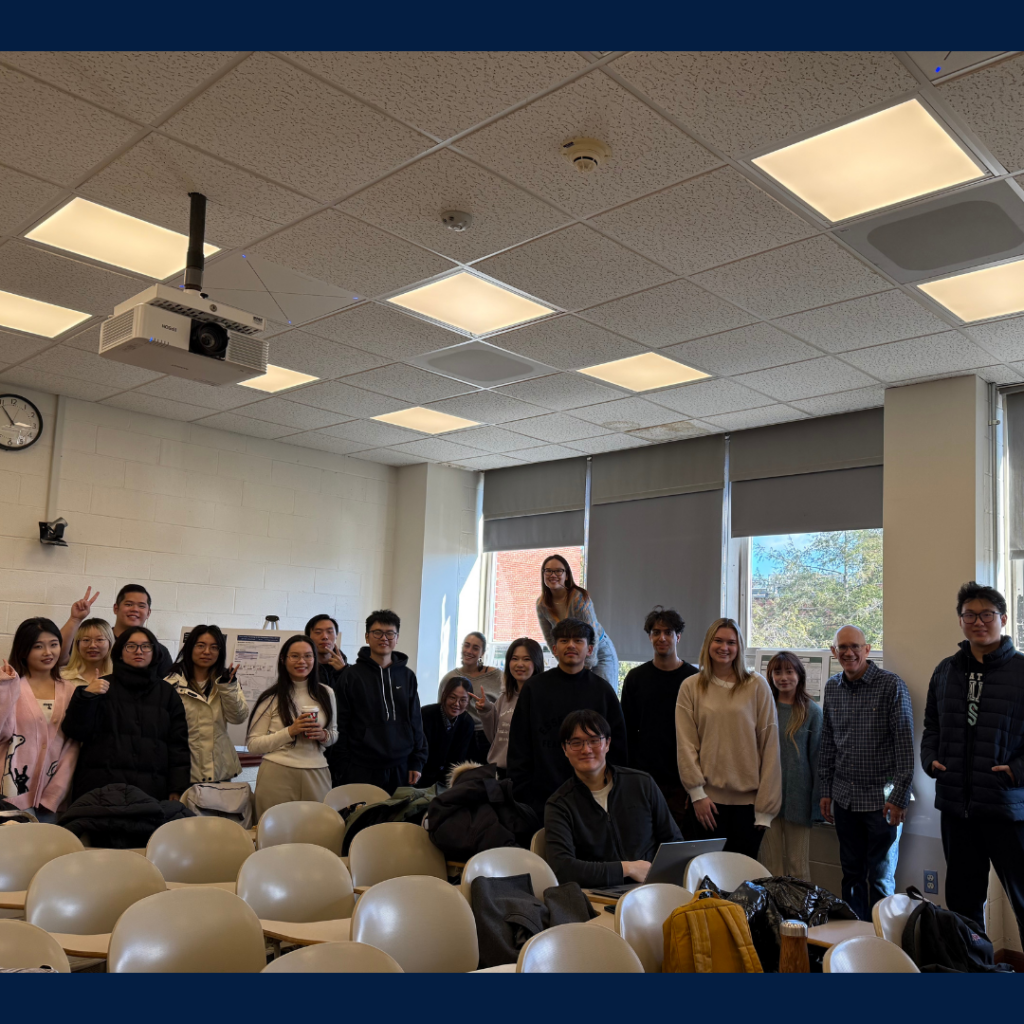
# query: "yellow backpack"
709,936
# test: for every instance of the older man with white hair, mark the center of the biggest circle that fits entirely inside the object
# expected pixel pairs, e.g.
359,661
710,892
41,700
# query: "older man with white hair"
866,765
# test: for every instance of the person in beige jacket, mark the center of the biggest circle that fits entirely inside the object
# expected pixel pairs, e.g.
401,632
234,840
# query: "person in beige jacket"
213,699
727,745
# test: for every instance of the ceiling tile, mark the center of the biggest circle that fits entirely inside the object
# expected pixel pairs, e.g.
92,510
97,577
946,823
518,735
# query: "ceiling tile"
560,391
844,401
989,100
701,223
823,376
409,383
410,203
608,443
493,439
389,457
556,427
44,131
438,449
40,274
710,397
21,198
272,118
747,348
647,152
16,347
1003,338
1000,374
756,417
177,389
325,443
484,462
55,384
246,425
371,433
290,414
668,314
152,181
152,406
298,350
574,268
793,278
73,362
872,320
350,254
675,431
350,402
486,407
920,357
383,330
568,343
743,100
625,414
548,453
442,92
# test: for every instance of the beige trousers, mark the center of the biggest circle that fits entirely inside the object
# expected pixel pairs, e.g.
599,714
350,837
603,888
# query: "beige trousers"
785,849
278,784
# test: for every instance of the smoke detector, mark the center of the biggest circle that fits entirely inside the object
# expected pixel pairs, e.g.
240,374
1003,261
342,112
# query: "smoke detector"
586,155
456,220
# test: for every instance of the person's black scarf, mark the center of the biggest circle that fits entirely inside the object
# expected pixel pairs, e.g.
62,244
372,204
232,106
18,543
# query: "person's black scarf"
133,678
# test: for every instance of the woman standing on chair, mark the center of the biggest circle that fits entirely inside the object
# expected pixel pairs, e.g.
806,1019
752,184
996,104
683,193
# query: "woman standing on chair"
523,659
562,598
727,745
292,724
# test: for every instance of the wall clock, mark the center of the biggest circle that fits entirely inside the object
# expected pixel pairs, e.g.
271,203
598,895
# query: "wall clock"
21,423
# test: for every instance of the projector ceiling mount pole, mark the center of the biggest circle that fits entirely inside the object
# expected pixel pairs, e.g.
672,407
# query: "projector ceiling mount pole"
195,260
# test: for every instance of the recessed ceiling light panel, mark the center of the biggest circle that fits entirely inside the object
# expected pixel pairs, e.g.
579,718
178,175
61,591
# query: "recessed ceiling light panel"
277,378
644,372
116,238
887,157
981,294
31,316
427,421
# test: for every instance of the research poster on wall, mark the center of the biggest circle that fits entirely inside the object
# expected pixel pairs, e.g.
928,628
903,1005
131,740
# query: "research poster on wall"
819,666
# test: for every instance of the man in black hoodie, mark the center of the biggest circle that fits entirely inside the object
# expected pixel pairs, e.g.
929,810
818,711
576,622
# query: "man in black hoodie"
536,764
973,746
380,730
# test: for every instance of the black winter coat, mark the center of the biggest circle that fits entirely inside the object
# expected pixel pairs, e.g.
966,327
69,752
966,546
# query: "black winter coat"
134,733
445,747
120,817
968,787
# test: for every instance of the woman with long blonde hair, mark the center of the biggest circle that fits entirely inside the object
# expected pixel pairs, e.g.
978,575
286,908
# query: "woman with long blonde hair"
727,745
90,652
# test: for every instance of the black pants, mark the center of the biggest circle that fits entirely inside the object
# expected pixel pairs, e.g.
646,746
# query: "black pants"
387,778
864,841
735,824
969,845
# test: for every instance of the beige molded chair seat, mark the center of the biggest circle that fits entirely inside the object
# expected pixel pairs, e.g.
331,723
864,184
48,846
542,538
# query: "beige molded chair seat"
868,954
640,916
301,821
505,861
26,945
200,850
24,849
578,949
537,844
392,849
890,914
831,932
726,870
182,931
335,958
423,922
355,793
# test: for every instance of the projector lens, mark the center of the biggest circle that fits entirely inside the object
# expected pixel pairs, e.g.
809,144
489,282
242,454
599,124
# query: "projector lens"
208,340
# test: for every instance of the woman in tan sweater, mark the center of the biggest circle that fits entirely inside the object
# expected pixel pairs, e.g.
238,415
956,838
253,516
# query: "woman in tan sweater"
727,744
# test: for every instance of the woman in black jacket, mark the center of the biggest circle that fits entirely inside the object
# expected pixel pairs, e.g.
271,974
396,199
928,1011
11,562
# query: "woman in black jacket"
448,731
134,730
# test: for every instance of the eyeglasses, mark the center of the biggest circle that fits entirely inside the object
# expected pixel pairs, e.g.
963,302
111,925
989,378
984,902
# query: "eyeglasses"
211,648
850,648
461,701
576,744
554,572
300,657
987,616
380,634
144,648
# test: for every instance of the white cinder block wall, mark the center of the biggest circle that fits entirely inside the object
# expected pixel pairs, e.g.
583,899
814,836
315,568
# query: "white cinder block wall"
219,527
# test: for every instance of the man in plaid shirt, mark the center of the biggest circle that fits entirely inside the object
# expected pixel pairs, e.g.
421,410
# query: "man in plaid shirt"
866,766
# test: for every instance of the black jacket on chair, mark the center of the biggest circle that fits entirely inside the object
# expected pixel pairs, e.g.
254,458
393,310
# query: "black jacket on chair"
134,733
445,747
119,817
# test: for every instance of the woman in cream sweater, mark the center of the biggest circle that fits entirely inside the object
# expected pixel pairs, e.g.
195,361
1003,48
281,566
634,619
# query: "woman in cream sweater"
727,744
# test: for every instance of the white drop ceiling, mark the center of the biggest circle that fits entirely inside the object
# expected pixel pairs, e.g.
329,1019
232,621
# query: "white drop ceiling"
331,170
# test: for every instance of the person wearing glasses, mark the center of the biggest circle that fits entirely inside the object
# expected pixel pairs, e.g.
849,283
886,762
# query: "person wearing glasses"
484,681
604,824
562,598
865,766
448,731
973,746
131,725
380,728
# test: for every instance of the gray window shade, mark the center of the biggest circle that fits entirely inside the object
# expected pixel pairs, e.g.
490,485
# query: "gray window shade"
665,551
679,467
845,499
1013,411
807,446
553,530
538,488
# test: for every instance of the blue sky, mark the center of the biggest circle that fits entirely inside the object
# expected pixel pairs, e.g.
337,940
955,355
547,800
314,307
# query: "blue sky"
763,547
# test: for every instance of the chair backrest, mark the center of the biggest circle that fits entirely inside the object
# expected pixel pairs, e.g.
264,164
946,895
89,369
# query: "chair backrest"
84,893
392,849
504,861
537,844
335,958
355,793
199,849
24,849
640,916
726,870
867,954
296,882
889,916
26,945
203,931
423,922
578,949
301,821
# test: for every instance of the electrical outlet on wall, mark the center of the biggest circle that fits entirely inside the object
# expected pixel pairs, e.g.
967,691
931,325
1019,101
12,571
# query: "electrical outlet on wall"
931,881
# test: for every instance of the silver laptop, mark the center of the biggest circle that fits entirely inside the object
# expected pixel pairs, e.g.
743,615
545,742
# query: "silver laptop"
669,864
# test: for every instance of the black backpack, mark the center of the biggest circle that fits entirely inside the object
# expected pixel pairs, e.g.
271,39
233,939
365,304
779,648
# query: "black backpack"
942,941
